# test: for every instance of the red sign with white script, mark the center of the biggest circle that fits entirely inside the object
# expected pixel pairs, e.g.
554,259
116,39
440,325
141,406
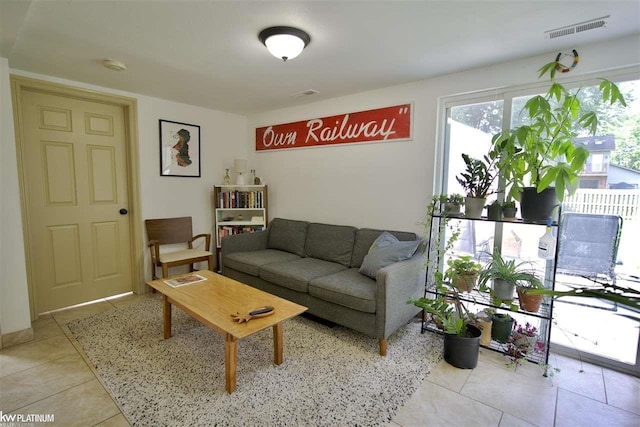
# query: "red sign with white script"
382,124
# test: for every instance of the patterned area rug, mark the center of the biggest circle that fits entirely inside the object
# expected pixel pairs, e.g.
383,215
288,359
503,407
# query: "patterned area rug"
330,376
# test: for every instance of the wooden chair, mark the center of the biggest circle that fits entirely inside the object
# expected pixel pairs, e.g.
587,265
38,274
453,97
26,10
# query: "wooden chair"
170,231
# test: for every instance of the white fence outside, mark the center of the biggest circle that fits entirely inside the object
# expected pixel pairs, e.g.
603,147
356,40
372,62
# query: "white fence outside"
625,203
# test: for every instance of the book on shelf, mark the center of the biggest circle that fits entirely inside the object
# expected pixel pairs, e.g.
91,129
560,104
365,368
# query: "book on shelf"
241,199
185,280
230,230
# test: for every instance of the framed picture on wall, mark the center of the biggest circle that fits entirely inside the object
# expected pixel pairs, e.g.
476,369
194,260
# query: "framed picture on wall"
179,149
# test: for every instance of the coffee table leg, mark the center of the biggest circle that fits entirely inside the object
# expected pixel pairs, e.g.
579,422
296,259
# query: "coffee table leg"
166,316
230,361
277,343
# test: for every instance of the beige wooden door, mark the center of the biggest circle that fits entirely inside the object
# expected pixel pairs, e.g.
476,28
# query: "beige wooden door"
75,186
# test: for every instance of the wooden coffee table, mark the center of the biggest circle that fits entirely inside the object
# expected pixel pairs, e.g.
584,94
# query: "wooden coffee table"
212,303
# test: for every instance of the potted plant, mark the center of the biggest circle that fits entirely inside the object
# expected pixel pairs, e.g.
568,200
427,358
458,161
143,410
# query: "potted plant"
495,211
476,181
506,275
461,337
526,341
453,204
509,210
539,160
529,301
462,273
501,326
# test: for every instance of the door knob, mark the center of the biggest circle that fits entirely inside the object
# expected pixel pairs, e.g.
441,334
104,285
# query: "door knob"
123,211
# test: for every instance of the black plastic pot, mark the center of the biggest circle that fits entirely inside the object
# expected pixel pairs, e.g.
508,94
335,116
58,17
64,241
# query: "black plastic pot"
494,212
501,327
509,212
537,207
462,352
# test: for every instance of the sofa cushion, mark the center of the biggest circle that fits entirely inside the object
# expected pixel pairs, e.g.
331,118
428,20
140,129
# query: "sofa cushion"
330,242
296,274
249,262
287,235
381,256
347,288
365,238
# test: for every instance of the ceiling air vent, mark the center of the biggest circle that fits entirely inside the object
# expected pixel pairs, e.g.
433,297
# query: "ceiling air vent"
577,28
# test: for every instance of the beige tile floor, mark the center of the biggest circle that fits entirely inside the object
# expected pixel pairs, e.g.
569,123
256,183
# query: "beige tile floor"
50,375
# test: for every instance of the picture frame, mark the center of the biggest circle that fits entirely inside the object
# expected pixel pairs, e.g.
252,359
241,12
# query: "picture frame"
179,149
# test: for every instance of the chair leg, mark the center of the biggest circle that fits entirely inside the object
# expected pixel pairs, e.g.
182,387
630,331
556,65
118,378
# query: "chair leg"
153,276
382,342
165,270
211,263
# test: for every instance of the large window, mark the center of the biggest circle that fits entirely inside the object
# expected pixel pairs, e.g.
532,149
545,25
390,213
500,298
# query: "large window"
609,185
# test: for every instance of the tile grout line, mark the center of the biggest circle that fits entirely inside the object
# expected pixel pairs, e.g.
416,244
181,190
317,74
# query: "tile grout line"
51,395
39,364
604,385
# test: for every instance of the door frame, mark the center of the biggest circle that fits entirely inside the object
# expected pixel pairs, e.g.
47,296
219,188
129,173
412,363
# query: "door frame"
130,108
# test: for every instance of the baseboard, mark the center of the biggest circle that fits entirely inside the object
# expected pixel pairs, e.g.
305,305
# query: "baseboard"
17,337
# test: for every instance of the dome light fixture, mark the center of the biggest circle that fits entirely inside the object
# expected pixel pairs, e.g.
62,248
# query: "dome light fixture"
114,65
284,42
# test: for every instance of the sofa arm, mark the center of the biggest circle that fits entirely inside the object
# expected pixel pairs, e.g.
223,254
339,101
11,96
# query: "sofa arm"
243,242
396,283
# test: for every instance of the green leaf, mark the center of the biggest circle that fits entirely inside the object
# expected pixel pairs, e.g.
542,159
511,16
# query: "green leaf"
547,68
611,93
555,91
561,180
547,179
590,122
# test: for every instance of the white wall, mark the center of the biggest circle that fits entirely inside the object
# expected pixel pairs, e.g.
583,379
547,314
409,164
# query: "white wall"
223,137
14,297
387,185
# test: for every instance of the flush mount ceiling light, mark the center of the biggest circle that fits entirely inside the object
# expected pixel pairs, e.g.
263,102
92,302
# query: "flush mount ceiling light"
284,42
114,65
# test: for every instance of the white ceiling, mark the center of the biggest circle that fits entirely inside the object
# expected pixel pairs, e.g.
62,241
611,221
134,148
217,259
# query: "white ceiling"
207,53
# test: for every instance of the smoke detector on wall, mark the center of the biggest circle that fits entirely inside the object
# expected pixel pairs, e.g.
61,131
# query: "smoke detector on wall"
568,30
114,65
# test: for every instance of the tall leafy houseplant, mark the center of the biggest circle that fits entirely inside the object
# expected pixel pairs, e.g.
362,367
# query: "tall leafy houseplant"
543,154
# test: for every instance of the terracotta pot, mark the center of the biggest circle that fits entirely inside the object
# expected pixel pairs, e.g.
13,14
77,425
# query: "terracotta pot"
465,282
528,302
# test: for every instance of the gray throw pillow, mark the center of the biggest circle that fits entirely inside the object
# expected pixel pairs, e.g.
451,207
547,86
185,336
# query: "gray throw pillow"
384,239
386,253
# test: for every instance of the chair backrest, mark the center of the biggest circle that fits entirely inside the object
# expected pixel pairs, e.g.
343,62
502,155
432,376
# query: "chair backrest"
588,244
169,230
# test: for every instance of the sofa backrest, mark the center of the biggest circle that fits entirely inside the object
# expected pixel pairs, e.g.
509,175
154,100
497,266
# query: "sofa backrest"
330,242
343,244
365,238
287,235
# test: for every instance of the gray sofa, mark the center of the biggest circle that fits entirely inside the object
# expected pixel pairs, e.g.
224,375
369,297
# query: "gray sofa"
317,265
